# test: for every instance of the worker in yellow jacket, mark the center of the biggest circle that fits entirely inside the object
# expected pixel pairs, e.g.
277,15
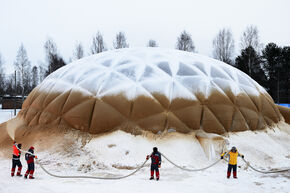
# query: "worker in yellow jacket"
233,156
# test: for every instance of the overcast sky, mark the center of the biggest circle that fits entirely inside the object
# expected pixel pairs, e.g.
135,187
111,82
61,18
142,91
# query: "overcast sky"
31,22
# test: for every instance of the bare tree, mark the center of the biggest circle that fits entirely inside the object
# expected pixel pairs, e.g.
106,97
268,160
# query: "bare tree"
185,43
120,41
42,71
10,85
35,77
78,52
98,44
223,46
50,48
22,66
2,76
250,37
152,43
53,59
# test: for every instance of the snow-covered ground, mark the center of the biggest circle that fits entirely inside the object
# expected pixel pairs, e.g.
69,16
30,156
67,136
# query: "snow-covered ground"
6,114
108,155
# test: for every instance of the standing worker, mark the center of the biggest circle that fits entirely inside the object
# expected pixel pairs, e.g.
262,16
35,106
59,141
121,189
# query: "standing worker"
16,159
155,163
29,157
233,154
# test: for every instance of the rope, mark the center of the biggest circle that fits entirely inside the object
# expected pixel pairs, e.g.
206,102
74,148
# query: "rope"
190,170
265,172
92,177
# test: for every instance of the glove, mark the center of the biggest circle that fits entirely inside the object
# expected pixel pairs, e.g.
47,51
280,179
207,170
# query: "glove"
147,157
159,166
243,156
35,157
222,157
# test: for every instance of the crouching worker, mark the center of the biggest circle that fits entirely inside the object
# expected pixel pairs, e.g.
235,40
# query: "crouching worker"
233,156
155,163
29,157
16,159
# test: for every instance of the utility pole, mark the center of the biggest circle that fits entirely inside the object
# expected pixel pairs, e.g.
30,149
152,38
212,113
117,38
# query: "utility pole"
15,93
278,88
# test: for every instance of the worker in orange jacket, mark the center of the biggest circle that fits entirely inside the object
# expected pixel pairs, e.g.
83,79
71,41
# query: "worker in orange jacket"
16,159
233,156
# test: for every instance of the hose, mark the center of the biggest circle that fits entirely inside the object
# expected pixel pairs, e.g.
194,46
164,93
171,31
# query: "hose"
265,172
142,165
190,170
92,177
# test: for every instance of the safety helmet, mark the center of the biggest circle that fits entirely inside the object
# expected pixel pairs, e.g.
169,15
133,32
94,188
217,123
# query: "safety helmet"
31,147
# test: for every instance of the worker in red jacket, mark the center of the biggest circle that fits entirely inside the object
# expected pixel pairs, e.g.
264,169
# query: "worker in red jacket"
155,163
16,159
29,157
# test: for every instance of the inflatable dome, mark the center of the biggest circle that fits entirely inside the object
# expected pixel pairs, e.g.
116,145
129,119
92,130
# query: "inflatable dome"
150,89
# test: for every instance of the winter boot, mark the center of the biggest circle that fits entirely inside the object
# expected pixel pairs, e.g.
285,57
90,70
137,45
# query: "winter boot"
157,175
31,174
12,172
235,174
228,174
19,171
26,174
152,175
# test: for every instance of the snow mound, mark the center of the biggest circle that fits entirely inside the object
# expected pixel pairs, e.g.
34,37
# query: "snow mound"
150,89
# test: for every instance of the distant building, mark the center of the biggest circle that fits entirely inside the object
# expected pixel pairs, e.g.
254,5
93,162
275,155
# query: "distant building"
8,102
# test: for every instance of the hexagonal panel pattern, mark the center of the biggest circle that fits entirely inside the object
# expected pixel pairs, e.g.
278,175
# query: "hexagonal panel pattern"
150,89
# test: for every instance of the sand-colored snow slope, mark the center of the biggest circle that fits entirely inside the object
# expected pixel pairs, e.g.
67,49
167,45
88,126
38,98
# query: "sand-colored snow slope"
285,113
150,89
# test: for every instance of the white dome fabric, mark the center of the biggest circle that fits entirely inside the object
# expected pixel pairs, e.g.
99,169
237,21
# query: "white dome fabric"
150,89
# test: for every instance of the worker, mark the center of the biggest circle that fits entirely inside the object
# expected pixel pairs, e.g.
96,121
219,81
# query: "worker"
29,157
233,156
16,159
155,163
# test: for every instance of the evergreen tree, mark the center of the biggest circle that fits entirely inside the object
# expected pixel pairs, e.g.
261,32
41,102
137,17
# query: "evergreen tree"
251,63
284,76
272,64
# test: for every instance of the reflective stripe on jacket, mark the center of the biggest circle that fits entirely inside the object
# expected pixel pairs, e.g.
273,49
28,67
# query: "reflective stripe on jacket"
233,157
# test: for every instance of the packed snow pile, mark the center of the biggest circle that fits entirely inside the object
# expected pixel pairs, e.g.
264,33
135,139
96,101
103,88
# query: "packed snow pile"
150,89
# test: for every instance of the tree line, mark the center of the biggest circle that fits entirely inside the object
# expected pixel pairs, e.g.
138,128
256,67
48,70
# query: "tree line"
268,65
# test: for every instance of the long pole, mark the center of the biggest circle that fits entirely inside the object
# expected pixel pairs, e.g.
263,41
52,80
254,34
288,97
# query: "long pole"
15,93
278,94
